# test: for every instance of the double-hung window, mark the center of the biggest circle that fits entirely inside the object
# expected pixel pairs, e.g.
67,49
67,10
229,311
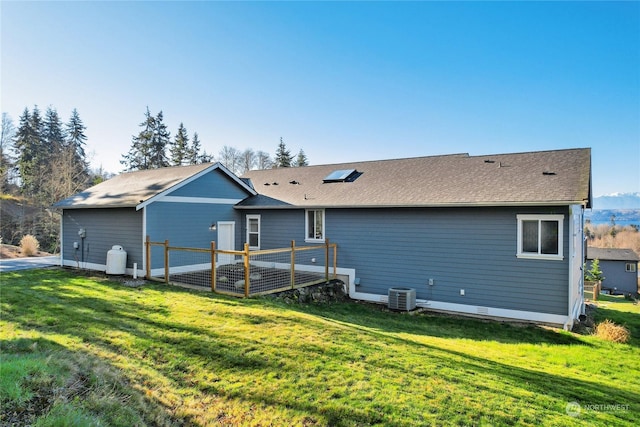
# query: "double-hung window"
540,236
314,225
253,231
630,267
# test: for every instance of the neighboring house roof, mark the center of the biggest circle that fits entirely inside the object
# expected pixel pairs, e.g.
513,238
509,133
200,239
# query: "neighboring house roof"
610,254
132,189
557,177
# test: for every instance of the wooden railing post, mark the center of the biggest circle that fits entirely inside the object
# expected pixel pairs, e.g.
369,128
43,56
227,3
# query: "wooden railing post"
246,269
335,261
166,261
293,264
213,266
326,259
148,258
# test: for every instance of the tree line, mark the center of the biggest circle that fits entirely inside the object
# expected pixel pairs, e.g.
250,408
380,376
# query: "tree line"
43,160
154,148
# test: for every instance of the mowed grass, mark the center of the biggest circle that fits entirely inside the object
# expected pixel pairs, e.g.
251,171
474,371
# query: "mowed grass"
82,351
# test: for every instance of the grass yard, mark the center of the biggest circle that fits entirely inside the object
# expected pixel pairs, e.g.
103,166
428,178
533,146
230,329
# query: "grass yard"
81,351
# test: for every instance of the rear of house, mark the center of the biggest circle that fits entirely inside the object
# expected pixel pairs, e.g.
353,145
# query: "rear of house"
496,236
619,268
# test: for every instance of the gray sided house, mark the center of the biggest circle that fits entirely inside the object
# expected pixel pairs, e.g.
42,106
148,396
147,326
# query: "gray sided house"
179,204
619,268
498,235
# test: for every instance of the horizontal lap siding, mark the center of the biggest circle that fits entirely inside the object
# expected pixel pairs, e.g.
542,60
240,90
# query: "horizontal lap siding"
615,276
472,249
213,184
187,224
104,228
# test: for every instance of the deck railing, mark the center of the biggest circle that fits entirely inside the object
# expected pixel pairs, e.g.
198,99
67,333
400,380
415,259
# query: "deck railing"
241,273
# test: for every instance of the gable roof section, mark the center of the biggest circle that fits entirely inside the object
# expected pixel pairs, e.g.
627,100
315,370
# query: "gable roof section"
611,254
559,177
138,189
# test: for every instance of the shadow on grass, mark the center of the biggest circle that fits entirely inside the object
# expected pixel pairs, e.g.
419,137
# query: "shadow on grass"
42,302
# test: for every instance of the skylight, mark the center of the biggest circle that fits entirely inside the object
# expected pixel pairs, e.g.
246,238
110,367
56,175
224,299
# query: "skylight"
341,175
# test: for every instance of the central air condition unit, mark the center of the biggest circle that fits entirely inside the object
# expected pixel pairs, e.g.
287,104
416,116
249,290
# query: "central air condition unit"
402,299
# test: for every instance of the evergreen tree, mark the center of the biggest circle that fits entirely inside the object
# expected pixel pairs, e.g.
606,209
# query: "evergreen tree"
139,155
194,150
28,143
179,150
74,173
6,159
283,156
161,139
52,133
301,160
75,136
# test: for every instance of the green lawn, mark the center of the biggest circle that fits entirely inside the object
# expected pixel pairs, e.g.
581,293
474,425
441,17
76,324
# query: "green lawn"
86,351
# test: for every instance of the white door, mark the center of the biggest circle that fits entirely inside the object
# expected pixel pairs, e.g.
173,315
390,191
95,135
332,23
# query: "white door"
226,241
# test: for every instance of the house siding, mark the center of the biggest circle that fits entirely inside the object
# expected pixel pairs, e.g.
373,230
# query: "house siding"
615,276
104,228
470,248
212,184
187,224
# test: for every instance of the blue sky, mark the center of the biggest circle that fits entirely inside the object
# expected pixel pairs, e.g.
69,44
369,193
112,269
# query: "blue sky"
344,81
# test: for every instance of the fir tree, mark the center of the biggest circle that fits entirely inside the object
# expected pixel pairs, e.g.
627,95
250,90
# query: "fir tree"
161,139
139,155
75,174
194,150
6,159
301,160
52,133
179,150
28,143
283,156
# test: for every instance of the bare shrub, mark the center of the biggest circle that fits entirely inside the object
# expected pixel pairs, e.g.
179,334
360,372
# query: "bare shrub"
29,245
600,236
607,330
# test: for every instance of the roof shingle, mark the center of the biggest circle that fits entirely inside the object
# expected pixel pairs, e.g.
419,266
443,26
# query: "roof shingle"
544,177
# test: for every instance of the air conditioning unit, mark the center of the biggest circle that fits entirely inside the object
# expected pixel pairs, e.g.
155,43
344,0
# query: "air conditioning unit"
402,299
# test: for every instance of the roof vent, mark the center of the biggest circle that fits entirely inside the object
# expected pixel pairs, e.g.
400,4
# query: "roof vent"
294,182
489,161
548,173
342,175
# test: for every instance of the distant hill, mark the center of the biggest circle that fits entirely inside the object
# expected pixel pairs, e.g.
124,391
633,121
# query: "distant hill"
617,201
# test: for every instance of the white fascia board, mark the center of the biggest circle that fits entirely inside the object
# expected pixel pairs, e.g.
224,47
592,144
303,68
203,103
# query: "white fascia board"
203,200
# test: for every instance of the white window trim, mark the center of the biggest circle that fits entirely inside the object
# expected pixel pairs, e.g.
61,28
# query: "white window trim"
306,226
630,267
249,217
539,218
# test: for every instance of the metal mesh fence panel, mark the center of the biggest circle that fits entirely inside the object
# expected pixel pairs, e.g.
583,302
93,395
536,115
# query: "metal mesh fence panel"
267,271
190,267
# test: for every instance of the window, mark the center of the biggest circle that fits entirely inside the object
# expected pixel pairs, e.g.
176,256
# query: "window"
253,231
630,267
314,225
540,236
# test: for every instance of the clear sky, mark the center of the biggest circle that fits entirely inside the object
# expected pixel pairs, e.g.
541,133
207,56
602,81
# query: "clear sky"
344,81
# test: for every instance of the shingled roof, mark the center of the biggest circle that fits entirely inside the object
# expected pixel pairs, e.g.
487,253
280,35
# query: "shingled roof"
612,254
559,177
134,188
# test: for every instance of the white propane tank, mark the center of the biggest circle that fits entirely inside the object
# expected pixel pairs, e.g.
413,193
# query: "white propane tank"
116,260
